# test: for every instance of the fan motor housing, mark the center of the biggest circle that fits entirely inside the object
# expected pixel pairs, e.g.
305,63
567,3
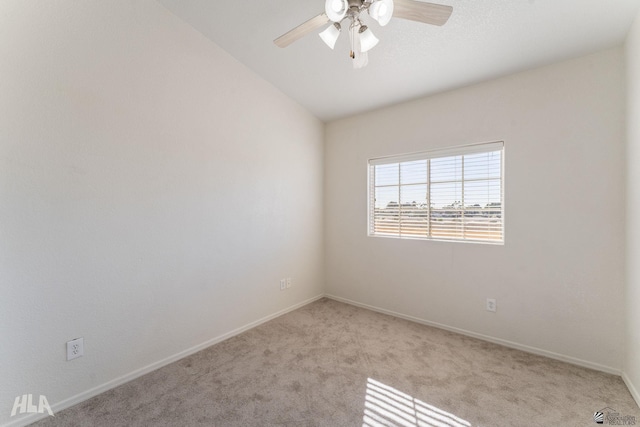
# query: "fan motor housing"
355,4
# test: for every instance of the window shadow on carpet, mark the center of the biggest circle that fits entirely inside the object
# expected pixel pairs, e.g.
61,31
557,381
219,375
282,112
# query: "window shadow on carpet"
386,406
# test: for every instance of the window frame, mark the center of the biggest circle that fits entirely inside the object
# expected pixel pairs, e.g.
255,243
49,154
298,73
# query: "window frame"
438,153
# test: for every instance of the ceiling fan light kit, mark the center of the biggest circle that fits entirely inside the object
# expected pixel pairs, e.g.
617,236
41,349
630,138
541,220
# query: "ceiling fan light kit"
361,37
367,40
331,34
336,10
381,11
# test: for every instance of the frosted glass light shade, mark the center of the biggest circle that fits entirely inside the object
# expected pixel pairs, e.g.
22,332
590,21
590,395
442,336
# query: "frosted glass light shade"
336,10
382,11
367,39
330,35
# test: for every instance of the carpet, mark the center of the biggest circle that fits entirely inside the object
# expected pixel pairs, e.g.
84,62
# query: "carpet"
333,364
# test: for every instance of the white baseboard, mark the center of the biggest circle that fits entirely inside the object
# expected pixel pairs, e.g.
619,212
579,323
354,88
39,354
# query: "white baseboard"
506,343
632,389
67,403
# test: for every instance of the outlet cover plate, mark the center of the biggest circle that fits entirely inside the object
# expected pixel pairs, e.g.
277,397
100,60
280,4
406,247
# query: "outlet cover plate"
75,348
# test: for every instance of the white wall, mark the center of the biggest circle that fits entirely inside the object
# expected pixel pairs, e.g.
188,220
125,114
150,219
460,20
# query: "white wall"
153,192
632,296
558,279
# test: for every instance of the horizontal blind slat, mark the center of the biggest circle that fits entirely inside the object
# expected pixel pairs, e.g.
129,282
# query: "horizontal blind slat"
438,153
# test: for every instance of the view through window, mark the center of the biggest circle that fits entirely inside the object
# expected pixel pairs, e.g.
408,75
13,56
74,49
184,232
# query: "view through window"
450,194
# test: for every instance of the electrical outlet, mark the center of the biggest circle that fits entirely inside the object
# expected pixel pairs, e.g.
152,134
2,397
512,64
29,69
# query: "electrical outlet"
288,282
75,348
283,284
491,305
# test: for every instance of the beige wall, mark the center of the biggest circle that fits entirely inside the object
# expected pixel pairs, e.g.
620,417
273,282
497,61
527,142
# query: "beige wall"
632,296
153,192
558,279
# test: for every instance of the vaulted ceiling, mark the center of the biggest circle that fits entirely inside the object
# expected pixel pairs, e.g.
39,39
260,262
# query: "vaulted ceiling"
482,40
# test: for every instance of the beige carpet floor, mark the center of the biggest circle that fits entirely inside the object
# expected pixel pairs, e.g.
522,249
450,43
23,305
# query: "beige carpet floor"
332,364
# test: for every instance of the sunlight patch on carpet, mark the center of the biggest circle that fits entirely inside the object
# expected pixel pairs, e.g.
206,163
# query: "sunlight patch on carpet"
387,407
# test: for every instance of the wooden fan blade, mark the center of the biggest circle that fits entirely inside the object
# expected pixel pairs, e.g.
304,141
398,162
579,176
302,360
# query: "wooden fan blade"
429,13
302,30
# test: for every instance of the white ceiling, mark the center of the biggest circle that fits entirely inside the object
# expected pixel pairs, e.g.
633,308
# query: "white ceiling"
482,40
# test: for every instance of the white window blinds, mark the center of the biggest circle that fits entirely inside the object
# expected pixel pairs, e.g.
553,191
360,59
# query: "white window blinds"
451,194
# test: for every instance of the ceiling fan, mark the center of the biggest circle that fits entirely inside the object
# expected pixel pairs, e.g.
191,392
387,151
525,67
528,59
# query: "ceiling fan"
361,37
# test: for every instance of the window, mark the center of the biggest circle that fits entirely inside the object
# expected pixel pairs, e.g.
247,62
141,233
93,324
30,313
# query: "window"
451,194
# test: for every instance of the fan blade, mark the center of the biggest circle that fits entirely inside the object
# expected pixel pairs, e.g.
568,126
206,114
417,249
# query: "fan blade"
302,30
429,13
